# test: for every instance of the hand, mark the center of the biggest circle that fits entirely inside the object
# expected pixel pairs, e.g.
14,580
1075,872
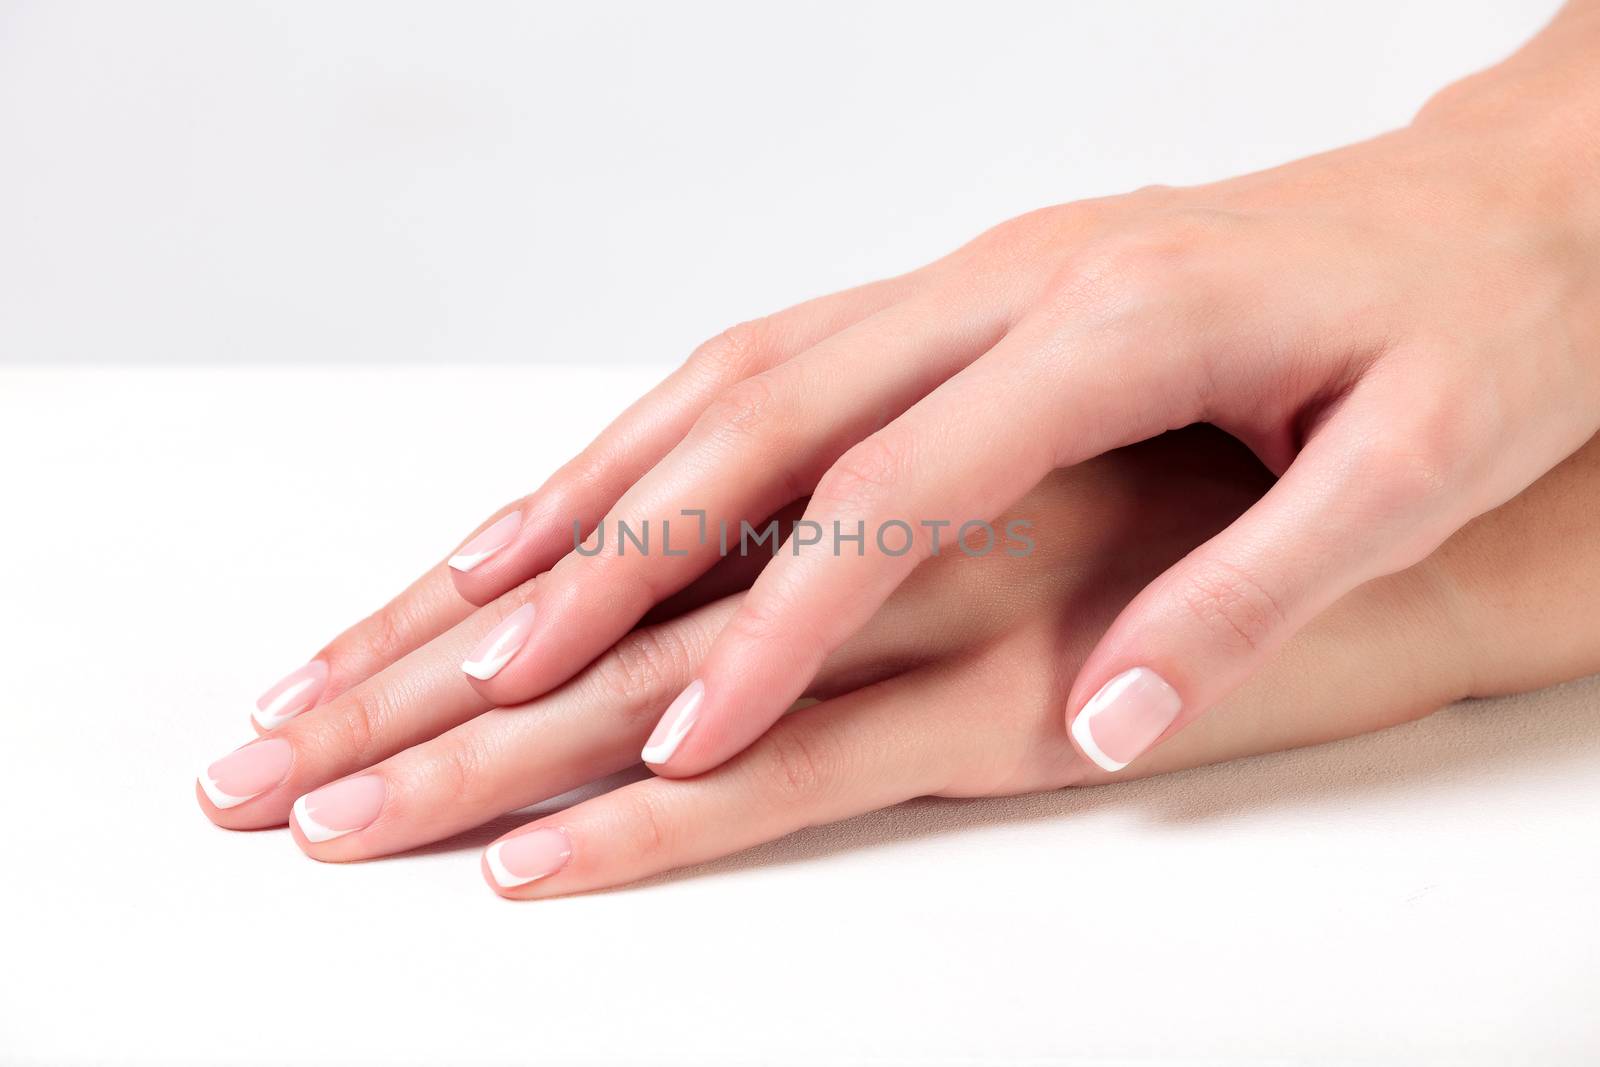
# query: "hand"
950,690
1407,331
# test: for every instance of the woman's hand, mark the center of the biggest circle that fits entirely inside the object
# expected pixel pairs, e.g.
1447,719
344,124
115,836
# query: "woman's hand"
1407,331
951,689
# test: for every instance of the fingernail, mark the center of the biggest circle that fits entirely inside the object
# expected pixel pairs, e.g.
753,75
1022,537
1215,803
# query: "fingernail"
340,808
528,857
500,533
500,644
247,772
296,693
1126,717
675,724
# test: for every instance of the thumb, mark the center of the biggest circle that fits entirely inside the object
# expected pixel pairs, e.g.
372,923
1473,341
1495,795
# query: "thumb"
1353,506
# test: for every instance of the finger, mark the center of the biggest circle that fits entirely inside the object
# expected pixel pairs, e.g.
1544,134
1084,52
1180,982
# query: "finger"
1371,494
854,754
415,698
922,484
529,536
426,609
423,611
509,758
425,695
755,450
733,573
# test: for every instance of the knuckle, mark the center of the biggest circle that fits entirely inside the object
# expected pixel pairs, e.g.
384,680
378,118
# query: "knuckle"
627,579
357,723
1234,607
589,471
462,768
642,667
651,829
1407,469
1408,475
757,622
747,409
752,416
866,474
380,638
800,763
1018,238
733,353
1143,263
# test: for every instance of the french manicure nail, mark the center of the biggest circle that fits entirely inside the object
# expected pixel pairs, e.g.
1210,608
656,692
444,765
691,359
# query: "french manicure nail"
675,724
500,644
1125,717
340,808
528,857
498,535
294,694
247,772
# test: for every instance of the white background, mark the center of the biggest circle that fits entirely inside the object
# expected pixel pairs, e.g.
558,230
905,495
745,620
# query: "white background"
553,186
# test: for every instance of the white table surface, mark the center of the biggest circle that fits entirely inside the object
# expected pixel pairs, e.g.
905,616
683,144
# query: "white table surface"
174,539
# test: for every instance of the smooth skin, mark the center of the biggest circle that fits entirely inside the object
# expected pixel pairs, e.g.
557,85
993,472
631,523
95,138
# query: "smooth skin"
954,688
1405,331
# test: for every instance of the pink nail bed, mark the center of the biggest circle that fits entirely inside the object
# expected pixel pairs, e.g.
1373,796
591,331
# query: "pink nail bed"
528,857
1125,717
296,693
500,644
339,808
247,772
490,540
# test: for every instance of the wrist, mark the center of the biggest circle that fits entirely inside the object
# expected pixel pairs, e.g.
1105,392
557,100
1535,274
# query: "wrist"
1533,121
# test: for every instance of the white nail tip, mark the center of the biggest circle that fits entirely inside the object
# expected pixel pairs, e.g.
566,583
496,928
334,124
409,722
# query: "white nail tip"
1085,739
217,796
269,722
512,635
1109,695
687,713
315,832
484,669
274,716
465,561
289,703
502,876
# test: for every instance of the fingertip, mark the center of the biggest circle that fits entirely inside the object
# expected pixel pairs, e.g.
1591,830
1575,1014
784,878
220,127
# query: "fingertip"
226,816
486,867
1126,716
486,544
302,842
219,815
517,867
207,808
499,646
672,730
